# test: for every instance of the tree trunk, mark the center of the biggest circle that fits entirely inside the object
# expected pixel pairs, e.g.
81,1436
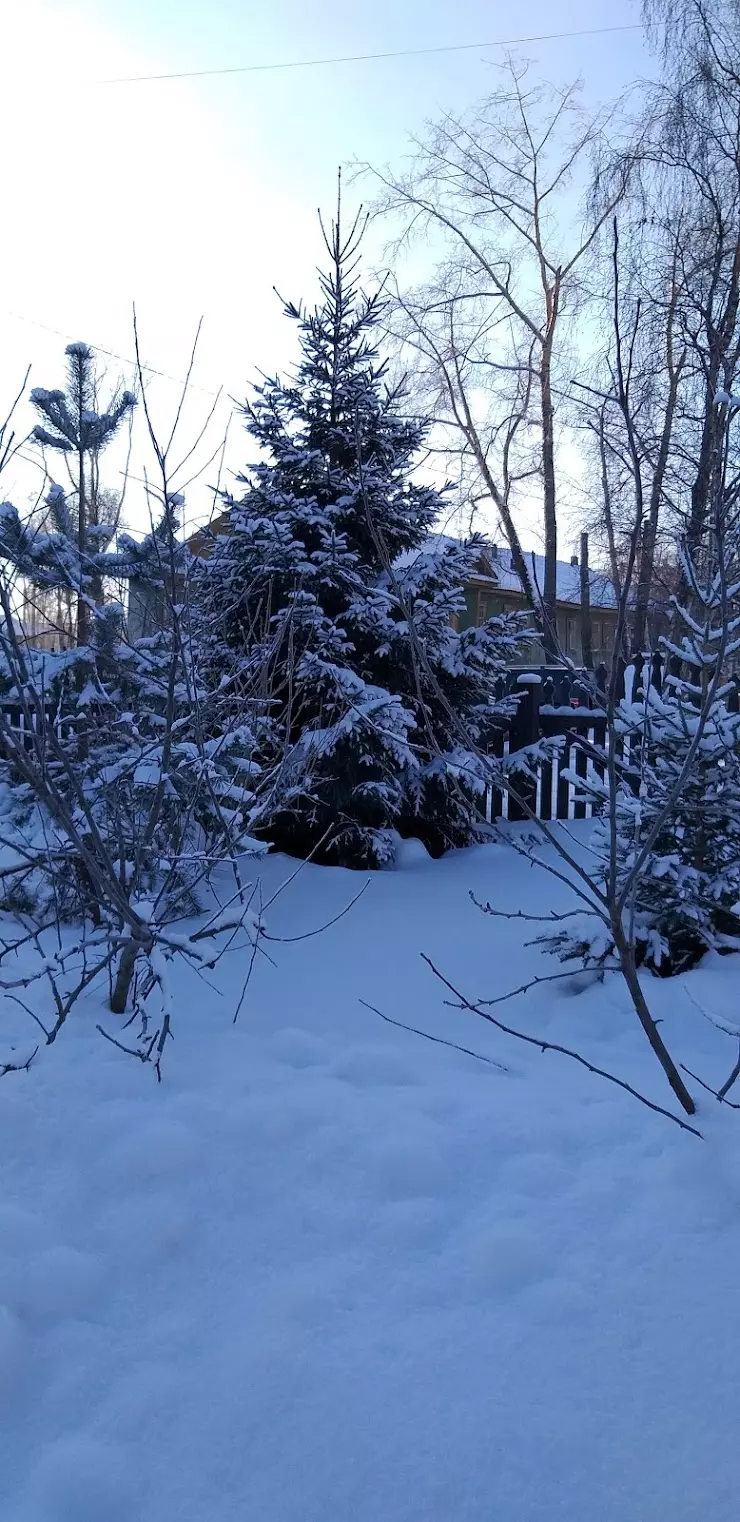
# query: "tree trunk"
82,620
629,973
644,583
93,516
616,574
587,644
518,558
124,976
646,574
723,337
550,589
82,631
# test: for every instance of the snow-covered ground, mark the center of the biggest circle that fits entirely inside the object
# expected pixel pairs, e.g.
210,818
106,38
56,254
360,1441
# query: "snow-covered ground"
331,1272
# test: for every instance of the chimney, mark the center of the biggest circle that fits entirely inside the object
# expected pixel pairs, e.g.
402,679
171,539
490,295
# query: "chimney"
574,560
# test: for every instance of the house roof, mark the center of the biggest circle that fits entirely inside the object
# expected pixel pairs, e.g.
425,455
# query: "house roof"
495,566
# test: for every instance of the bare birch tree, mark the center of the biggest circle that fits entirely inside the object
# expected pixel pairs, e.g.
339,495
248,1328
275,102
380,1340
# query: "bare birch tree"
675,285
629,409
496,194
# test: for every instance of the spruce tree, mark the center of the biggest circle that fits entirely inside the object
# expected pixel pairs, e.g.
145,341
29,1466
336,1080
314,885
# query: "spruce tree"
681,770
324,565
688,892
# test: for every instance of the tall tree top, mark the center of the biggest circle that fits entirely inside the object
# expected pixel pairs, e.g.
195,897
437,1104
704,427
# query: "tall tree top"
339,446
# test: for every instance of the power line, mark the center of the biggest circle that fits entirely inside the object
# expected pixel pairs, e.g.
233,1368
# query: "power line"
109,353
315,63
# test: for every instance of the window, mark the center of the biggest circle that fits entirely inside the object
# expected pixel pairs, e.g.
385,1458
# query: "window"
571,635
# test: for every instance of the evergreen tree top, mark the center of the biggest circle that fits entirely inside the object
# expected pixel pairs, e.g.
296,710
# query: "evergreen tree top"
337,446
326,580
71,418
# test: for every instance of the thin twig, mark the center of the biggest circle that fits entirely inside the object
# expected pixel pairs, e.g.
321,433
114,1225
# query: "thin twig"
716,1093
552,1046
290,940
439,1040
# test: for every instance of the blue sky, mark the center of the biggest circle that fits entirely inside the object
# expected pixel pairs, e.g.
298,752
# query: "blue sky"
195,197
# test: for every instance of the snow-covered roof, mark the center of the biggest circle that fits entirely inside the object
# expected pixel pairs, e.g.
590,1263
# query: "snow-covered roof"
495,565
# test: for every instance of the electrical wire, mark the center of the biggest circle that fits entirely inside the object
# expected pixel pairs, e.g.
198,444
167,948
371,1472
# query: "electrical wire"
315,63
109,353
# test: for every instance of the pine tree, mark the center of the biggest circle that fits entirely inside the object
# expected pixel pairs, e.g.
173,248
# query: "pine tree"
322,570
74,427
114,719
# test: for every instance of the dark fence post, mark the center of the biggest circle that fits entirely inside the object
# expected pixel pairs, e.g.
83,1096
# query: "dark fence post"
495,797
525,730
581,770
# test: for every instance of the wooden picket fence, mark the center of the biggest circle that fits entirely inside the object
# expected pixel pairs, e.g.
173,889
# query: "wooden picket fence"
561,704
552,792
24,724
556,704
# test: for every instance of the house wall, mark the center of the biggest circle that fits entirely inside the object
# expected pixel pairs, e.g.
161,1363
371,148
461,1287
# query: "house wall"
148,611
483,601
